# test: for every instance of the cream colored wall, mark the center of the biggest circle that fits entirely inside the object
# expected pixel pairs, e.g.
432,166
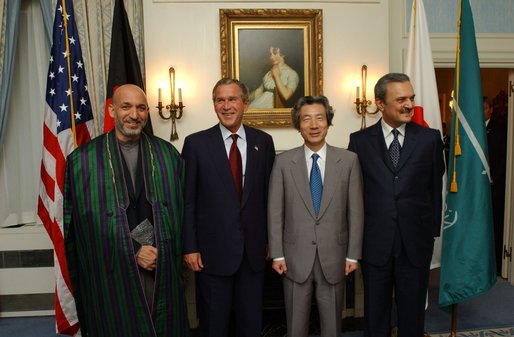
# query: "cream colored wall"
186,36
494,50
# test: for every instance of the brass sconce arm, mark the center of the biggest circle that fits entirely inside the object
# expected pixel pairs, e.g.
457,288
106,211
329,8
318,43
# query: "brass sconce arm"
174,111
363,103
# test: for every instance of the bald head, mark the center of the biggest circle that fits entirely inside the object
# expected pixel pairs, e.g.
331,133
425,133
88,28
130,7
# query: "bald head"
125,89
129,109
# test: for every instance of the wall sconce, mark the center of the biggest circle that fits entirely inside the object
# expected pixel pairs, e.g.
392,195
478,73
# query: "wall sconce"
175,111
362,104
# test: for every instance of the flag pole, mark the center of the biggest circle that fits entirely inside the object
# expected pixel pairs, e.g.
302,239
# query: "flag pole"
453,331
457,149
68,56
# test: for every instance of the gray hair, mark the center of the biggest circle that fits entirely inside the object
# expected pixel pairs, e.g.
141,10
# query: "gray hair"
226,81
309,100
381,86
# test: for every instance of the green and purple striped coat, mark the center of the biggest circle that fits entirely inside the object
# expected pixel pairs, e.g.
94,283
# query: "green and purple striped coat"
101,261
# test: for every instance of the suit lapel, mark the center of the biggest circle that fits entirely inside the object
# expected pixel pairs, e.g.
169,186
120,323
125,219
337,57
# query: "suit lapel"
300,178
252,156
379,146
409,144
333,169
218,154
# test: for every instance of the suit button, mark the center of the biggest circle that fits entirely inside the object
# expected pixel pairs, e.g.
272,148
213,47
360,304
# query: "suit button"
317,223
396,177
313,242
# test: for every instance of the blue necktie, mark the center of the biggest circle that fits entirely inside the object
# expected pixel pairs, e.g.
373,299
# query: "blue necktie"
316,184
394,148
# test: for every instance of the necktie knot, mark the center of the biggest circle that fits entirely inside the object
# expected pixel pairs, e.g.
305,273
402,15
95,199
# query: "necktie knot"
315,157
395,133
234,137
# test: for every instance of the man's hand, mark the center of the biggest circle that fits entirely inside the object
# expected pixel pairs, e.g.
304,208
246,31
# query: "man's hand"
193,261
280,266
146,257
350,267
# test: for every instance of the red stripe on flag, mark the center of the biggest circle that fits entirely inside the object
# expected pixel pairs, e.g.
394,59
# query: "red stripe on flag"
82,133
58,241
62,324
48,182
56,236
43,214
51,143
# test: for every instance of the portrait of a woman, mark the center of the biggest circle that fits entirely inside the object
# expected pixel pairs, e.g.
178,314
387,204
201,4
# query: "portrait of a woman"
278,84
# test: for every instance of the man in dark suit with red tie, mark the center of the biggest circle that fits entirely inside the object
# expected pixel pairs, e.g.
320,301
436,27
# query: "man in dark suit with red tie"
402,167
225,225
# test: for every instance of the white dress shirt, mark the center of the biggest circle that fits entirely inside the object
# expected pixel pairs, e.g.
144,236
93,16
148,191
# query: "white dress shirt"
322,153
388,133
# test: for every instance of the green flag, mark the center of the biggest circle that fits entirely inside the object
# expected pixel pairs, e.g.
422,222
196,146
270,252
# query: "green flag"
468,267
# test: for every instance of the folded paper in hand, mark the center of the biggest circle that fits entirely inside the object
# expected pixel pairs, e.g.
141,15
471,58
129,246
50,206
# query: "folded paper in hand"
143,233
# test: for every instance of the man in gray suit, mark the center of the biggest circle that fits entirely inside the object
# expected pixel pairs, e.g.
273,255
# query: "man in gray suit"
315,220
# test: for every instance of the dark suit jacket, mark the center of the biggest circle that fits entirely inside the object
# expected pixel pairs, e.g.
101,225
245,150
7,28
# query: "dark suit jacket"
216,223
408,197
496,131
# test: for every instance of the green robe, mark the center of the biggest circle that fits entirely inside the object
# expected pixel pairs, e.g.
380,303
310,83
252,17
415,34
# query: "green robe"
101,261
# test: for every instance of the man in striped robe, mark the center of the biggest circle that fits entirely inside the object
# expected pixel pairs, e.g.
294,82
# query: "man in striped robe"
123,210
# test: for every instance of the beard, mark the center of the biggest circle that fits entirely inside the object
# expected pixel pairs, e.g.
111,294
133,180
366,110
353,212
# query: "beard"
120,126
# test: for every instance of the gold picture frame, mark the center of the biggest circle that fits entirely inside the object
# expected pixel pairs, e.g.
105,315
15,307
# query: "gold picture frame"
251,39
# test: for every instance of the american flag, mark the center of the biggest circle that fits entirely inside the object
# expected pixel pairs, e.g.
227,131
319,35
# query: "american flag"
68,123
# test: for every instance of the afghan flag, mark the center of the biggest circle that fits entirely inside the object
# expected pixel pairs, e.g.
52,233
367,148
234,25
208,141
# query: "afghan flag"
468,267
124,67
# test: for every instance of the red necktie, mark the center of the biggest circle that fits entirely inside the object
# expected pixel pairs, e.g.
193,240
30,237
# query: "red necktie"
236,165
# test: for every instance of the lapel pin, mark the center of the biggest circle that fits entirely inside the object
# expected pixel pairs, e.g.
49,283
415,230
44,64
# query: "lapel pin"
256,148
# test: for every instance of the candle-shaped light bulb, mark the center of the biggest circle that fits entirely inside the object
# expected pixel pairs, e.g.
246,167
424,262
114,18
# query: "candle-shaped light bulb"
172,85
180,95
159,95
358,92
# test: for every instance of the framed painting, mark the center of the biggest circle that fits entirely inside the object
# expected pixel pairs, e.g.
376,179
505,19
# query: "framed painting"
278,54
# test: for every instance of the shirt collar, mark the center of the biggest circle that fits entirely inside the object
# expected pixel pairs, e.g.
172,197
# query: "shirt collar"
387,129
322,152
226,133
